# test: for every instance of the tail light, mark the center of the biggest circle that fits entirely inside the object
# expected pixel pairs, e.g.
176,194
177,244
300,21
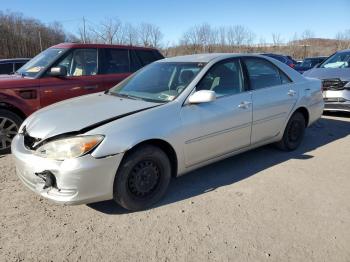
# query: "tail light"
292,65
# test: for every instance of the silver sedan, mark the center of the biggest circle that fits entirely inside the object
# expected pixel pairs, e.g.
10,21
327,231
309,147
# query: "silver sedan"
169,118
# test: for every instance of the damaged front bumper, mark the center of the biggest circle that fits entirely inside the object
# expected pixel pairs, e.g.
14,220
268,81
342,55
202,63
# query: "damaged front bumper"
74,181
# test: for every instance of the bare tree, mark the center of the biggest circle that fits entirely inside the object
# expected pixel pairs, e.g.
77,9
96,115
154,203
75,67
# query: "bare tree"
239,35
131,36
277,39
109,31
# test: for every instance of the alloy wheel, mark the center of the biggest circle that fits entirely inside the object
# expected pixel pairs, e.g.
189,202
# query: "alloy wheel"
8,130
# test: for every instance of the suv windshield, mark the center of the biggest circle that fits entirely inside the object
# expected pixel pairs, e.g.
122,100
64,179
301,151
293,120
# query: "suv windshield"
40,62
158,82
338,60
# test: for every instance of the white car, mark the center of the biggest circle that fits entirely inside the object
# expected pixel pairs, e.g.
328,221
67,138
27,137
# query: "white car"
169,118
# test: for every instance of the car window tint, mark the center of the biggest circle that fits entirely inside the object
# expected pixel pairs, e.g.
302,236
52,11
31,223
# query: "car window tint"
80,62
6,68
262,73
146,56
115,61
225,78
135,62
19,65
284,78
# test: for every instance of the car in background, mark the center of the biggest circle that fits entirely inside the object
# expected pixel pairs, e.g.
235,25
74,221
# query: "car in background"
64,71
10,66
171,117
282,58
335,75
309,63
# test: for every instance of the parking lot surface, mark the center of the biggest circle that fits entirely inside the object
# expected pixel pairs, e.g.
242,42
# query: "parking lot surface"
263,205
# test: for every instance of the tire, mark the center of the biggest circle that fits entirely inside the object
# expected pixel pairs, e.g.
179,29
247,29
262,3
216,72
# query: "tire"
142,178
293,134
9,126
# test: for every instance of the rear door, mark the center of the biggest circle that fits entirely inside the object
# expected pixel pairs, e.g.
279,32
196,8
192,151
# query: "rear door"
114,66
274,96
216,128
81,78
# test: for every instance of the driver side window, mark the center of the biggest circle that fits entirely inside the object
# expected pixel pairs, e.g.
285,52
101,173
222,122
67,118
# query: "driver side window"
225,78
80,62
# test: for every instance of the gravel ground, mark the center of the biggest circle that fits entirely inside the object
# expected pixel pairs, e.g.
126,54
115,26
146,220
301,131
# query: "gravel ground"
264,205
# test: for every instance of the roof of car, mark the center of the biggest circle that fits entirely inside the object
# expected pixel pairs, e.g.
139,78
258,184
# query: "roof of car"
81,45
344,51
205,58
199,58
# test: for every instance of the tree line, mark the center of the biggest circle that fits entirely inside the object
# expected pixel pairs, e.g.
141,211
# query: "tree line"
25,37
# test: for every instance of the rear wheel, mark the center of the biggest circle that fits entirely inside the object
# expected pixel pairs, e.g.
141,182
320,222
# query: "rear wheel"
142,178
9,126
294,133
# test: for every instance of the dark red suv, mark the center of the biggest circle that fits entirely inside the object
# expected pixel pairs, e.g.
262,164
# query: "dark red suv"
61,72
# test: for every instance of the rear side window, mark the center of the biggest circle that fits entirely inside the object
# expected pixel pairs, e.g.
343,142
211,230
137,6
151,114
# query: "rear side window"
115,61
147,56
6,68
264,74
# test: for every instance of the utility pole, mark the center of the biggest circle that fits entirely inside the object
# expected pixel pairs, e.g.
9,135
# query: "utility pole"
84,31
40,43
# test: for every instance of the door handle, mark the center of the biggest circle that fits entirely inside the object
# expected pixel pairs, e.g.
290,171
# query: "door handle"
244,104
90,87
291,92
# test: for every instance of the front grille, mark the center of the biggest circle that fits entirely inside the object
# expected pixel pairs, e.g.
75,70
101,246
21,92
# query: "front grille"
30,142
333,84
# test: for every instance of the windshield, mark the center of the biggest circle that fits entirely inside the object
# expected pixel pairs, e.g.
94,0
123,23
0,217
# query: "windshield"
158,82
40,62
308,62
338,60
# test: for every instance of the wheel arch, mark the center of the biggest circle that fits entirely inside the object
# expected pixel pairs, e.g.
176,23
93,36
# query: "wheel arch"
165,146
13,109
305,112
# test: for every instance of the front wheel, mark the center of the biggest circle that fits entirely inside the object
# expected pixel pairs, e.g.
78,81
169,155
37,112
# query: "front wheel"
142,178
294,133
9,126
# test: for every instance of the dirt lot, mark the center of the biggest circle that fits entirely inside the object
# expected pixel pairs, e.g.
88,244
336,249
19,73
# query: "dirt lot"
263,205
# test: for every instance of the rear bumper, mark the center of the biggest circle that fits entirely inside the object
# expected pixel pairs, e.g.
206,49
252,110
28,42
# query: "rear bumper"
77,181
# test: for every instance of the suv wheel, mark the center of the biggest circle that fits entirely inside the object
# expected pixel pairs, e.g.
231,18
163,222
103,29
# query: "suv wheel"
9,126
142,178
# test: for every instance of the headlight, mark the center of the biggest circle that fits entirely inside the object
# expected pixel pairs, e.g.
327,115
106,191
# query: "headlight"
69,147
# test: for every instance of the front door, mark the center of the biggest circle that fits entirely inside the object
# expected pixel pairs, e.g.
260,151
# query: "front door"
216,128
81,79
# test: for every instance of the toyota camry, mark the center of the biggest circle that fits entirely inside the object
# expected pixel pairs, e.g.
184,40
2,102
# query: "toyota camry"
170,117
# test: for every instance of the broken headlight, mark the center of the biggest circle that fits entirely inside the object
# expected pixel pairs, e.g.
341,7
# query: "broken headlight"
68,148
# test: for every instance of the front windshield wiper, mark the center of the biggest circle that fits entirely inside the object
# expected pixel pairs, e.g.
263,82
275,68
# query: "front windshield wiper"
123,95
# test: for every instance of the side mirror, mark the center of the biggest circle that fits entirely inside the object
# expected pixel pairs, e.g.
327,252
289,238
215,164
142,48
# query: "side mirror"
202,96
317,65
58,71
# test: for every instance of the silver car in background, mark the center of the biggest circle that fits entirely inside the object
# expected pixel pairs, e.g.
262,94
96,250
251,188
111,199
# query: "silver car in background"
335,75
171,117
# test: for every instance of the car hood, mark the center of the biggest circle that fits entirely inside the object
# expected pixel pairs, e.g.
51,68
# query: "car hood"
80,113
14,81
329,73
